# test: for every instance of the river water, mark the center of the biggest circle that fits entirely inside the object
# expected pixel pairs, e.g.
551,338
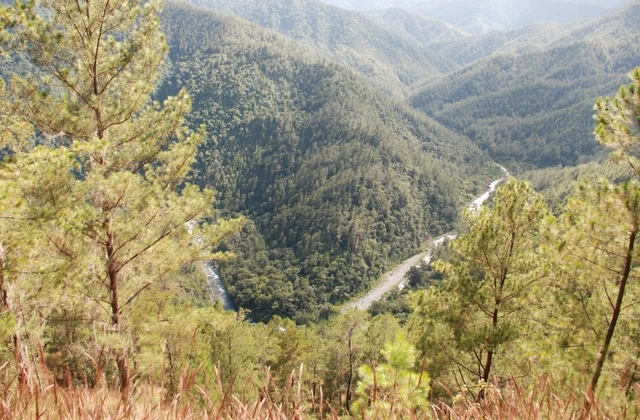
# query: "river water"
392,279
213,278
396,277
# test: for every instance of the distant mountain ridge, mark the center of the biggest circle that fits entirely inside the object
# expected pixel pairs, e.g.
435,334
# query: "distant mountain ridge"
393,62
615,28
479,16
534,108
338,179
421,29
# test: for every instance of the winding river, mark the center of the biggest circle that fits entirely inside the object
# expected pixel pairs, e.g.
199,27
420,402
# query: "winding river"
396,277
213,278
392,279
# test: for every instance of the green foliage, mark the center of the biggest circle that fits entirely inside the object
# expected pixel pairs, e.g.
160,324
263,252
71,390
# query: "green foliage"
588,251
175,338
393,386
391,62
339,180
558,184
594,258
105,186
619,123
531,107
475,317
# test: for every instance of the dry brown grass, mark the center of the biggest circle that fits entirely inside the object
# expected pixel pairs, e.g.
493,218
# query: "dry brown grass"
38,396
513,402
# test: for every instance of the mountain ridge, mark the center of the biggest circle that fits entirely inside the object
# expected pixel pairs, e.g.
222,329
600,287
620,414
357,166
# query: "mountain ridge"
338,178
481,16
345,37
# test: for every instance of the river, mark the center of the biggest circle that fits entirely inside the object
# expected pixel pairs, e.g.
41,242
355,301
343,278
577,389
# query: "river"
392,279
213,278
396,277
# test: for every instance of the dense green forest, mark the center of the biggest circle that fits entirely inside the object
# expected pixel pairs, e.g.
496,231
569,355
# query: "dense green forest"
420,29
140,143
339,180
533,109
615,29
391,61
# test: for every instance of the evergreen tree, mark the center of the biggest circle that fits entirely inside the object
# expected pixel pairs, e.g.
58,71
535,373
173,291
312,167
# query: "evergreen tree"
600,293
123,223
478,312
393,389
593,309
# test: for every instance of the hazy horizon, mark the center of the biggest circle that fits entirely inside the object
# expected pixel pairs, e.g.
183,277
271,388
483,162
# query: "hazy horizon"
476,16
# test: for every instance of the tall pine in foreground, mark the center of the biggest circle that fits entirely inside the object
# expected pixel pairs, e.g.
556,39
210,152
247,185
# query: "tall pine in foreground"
619,128
122,229
590,306
475,317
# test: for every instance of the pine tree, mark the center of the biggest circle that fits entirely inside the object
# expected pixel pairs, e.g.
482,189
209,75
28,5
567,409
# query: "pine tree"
480,309
603,247
123,223
393,389
594,307
619,123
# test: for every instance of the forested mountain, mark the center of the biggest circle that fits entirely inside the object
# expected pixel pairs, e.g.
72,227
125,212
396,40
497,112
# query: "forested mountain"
481,16
617,30
421,29
534,109
345,37
115,114
339,179
371,4
478,16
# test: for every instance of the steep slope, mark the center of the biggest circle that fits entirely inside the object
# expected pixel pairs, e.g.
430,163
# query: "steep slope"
620,26
535,37
345,37
421,29
430,4
535,108
339,180
478,16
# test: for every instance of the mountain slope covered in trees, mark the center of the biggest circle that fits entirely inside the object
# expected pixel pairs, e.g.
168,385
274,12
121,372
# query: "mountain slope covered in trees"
338,179
421,29
530,312
345,37
485,15
616,30
534,109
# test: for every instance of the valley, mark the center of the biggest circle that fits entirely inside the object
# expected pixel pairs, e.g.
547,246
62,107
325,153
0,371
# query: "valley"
301,209
340,177
396,278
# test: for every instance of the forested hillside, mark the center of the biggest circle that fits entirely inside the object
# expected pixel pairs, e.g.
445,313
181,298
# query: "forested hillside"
345,37
421,29
615,30
339,180
485,15
138,147
478,16
533,109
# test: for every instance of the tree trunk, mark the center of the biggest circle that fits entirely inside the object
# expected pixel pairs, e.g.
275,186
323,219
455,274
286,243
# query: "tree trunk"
489,362
3,289
604,350
123,372
113,274
350,376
